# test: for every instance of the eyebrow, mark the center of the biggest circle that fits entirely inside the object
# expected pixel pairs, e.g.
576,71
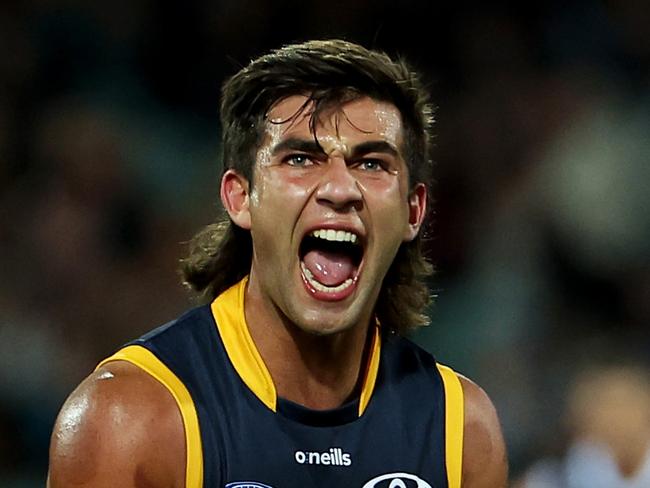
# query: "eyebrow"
374,147
310,146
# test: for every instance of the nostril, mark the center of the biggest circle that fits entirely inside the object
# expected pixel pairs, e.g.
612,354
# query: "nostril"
342,191
341,202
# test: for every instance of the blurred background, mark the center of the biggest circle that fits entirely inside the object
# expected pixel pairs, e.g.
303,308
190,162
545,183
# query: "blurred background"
109,142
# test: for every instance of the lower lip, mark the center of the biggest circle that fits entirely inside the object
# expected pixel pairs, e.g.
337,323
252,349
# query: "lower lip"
330,296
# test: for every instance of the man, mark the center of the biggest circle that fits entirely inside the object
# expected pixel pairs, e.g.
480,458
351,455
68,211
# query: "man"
296,373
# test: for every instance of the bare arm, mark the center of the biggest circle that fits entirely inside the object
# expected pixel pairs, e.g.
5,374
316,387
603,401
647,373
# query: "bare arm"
120,427
485,463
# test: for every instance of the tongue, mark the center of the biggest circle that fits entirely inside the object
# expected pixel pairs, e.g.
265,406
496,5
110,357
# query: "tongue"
329,268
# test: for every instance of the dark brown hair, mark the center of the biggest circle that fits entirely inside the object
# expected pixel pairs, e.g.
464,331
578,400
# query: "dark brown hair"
329,73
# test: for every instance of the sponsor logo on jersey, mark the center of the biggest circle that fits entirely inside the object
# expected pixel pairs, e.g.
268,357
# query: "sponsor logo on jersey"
397,480
334,457
247,484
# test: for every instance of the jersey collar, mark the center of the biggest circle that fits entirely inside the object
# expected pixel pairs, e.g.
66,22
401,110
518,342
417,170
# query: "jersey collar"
228,312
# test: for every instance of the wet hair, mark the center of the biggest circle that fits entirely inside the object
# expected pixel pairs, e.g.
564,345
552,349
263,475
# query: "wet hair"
329,73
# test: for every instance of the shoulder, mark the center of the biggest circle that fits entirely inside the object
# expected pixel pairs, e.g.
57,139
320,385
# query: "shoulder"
484,454
120,427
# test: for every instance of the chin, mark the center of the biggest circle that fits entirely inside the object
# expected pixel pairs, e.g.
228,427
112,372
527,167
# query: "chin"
318,324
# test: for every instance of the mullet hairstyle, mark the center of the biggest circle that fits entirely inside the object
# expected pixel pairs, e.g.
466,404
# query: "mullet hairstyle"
330,73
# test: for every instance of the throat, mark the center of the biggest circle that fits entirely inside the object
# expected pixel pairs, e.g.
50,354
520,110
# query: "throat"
319,373
315,387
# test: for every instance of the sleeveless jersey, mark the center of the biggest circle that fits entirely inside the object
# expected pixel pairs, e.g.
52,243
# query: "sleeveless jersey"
404,430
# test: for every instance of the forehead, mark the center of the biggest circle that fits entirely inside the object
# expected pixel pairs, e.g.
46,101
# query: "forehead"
360,118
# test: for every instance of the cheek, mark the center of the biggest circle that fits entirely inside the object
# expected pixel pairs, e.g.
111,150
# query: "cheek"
275,204
391,199
390,213
278,189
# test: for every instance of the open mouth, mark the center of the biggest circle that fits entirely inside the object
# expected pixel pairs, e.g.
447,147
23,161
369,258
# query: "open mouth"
330,261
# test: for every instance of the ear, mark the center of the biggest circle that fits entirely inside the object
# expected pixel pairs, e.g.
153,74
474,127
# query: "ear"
417,210
235,198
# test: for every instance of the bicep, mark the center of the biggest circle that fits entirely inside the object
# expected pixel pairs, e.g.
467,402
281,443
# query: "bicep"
108,434
485,462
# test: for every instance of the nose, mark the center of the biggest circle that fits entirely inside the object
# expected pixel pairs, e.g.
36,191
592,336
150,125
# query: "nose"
338,188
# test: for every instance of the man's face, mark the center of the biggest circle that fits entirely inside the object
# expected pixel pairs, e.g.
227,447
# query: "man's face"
327,219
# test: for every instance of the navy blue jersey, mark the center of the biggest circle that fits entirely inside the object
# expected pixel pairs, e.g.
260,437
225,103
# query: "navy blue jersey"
404,430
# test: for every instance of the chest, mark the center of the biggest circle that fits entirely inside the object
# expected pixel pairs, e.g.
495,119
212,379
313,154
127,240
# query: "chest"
385,447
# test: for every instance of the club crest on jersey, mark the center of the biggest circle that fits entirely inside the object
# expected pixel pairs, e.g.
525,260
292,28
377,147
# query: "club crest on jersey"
247,484
397,480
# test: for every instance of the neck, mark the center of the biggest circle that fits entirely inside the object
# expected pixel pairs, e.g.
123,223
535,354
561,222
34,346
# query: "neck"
316,371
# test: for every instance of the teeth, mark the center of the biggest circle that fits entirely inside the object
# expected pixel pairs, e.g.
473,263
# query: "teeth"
334,235
324,288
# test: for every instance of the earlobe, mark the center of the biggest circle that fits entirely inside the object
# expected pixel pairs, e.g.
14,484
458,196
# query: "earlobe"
235,198
417,210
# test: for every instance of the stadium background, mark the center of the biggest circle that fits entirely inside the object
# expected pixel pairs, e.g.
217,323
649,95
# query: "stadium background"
108,163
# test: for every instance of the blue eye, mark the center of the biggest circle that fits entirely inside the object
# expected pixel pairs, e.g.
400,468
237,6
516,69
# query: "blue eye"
298,160
371,165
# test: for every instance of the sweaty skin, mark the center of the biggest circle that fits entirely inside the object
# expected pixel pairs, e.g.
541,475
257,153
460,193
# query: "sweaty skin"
122,428
328,189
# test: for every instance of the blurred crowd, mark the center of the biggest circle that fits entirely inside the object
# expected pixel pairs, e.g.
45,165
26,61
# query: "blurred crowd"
109,142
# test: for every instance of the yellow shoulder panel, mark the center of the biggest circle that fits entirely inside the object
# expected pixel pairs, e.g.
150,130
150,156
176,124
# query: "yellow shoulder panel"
147,361
454,424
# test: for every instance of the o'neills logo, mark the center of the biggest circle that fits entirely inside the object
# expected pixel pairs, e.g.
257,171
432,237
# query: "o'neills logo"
334,457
